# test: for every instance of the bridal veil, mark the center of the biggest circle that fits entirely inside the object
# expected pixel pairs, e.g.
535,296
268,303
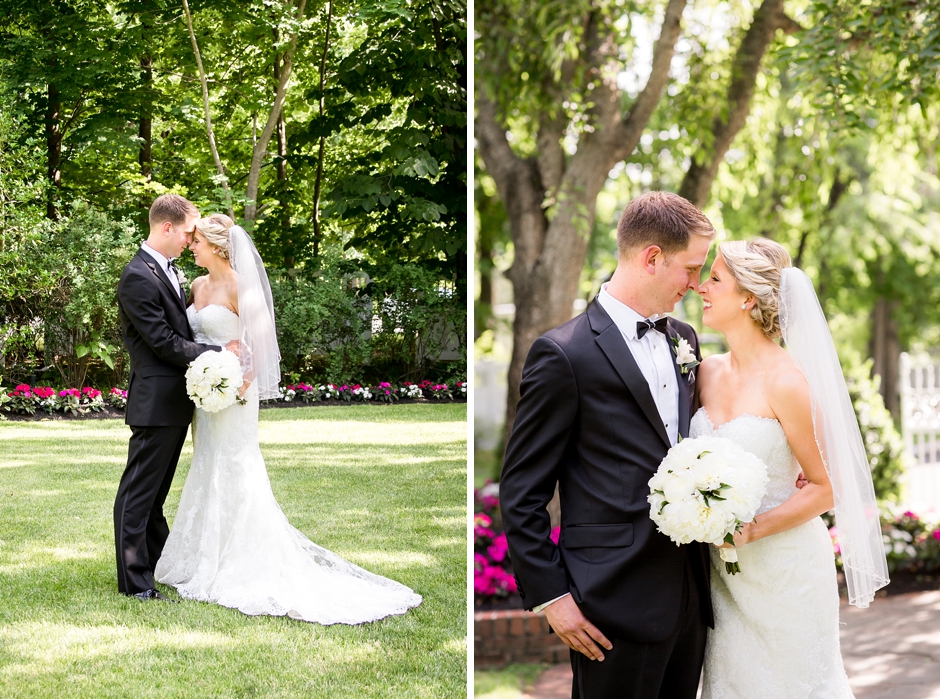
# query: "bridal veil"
809,342
259,355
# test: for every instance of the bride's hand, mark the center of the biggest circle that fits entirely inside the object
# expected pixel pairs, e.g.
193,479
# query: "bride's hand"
740,538
243,389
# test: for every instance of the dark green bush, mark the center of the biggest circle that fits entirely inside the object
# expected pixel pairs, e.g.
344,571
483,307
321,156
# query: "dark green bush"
421,318
883,445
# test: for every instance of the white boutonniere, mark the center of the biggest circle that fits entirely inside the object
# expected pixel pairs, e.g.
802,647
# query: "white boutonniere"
685,357
180,277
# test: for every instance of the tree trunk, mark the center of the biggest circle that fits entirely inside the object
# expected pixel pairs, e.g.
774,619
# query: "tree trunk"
220,169
549,255
144,130
53,149
747,62
319,179
885,349
261,145
281,169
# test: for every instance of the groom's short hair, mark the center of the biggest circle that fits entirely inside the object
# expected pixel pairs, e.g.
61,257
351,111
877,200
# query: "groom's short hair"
172,208
663,219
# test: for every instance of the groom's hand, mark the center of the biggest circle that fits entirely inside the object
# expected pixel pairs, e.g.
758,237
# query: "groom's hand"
574,629
801,480
233,347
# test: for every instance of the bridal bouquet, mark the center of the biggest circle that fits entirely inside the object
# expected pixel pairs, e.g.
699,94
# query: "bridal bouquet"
213,380
704,490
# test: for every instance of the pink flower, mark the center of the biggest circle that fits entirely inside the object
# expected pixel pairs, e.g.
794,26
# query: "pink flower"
834,535
936,534
483,583
556,533
503,581
910,514
481,526
499,548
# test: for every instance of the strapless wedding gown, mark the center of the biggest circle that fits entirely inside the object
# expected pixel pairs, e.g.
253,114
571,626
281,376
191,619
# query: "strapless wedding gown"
776,632
230,543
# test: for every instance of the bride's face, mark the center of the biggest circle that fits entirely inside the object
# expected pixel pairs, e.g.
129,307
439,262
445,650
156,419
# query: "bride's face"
721,297
202,251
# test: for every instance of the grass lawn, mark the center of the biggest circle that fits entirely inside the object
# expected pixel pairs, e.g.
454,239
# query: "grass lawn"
511,682
383,486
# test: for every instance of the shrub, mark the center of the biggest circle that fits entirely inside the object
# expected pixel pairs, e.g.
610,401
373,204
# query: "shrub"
420,317
319,317
884,447
80,317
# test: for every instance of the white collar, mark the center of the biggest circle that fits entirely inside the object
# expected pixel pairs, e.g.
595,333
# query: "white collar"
159,257
624,317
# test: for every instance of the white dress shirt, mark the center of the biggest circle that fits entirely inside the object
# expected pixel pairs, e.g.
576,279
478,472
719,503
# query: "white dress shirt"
656,361
164,264
654,357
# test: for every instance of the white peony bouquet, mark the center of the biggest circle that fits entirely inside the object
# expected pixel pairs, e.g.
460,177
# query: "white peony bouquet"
704,490
213,380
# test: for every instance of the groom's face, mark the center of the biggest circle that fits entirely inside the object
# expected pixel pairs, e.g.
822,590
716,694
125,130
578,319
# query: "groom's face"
679,273
180,235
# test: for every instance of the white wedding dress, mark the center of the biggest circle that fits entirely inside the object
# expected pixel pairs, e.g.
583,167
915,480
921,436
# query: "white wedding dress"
776,632
230,543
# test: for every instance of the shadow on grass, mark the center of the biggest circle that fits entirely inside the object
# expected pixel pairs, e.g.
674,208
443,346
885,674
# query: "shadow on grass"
74,635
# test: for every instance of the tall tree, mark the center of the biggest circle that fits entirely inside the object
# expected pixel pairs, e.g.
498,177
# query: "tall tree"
547,80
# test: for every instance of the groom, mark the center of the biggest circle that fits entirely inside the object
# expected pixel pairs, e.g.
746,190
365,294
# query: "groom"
152,310
602,400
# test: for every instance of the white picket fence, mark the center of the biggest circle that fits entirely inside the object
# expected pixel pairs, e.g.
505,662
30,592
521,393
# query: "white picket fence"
920,424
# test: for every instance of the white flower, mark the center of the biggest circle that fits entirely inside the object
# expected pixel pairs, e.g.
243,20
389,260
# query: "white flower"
704,489
180,277
213,380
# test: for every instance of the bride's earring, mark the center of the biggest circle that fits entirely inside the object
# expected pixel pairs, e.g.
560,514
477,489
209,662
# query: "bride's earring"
743,306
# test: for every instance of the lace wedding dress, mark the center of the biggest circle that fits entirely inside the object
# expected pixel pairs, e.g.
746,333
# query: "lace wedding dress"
230,543
776,632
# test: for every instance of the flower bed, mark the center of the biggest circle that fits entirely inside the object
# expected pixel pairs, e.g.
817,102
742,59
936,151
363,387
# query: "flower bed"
494,586
911,541
383,392
29,400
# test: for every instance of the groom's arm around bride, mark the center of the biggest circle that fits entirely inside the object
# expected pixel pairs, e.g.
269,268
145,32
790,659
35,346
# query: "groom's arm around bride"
602,399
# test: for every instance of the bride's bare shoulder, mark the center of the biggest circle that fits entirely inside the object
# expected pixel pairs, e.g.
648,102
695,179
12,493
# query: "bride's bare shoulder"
786,385
712,365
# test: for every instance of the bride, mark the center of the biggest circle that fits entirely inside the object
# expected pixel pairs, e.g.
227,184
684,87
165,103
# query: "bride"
230,543
776,629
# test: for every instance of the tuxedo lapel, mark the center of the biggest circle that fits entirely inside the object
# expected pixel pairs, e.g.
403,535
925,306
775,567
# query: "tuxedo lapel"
160,274
615,347
685,389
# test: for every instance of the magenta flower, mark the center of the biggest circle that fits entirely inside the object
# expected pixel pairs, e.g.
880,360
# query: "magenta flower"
556,533
499,548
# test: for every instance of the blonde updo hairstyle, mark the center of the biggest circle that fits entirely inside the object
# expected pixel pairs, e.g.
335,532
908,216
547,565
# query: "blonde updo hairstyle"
215,229
756,266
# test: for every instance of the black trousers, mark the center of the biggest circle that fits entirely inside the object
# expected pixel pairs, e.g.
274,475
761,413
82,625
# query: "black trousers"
669,669
140,528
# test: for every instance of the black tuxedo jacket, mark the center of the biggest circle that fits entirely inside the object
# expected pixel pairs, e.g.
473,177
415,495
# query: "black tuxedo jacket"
586,419
160,343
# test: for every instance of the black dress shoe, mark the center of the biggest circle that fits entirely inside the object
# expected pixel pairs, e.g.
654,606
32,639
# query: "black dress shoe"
152,594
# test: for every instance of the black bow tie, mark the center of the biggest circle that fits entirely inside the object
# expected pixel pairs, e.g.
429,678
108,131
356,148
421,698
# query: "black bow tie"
643,326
